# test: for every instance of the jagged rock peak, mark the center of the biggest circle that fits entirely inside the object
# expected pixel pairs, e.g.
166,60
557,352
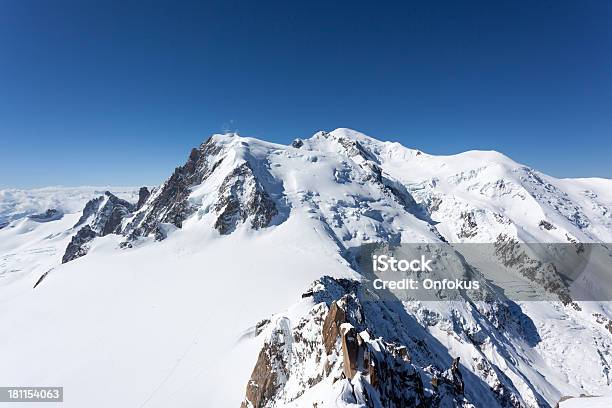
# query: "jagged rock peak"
101,216
242,197
89,211
79,244
143,196
170,204
111,214
337,344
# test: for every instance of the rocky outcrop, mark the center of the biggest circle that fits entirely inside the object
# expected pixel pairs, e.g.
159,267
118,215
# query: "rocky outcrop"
143,196
272,368
50,215
354,148
108,219
397,382
78,246
331,326
102,216
90,210
341,340
42,277
170,204
448,387
469,228
546,225
603,320
242,198
351,343
391,379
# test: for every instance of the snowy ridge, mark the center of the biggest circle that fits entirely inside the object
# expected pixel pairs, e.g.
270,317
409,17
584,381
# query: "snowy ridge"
237,235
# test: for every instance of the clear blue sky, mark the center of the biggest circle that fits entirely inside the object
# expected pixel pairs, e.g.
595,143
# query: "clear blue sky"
117,93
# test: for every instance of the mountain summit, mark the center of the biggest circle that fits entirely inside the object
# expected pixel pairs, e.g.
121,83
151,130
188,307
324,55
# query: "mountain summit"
401,194
234,282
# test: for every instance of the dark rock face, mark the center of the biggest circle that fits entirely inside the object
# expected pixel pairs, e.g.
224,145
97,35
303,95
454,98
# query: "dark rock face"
401,195
50,215
109,217
397,382
546,225
90,210
454,377
331,326
601,319
42,277
143,196
243,197
469,228
448,386
271,369
103,215
350,350
78,245
262,386
393,380
170,204
297,143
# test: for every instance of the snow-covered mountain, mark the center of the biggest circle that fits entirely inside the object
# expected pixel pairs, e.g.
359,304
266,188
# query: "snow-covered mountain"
234,283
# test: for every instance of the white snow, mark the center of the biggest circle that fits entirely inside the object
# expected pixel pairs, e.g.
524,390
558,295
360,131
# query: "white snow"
171,323
587,402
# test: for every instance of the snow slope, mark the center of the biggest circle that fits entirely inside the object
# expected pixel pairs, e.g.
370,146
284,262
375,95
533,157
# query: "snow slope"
587,402
164,313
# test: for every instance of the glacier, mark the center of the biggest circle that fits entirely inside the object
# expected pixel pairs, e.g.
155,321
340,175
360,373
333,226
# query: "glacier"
232,283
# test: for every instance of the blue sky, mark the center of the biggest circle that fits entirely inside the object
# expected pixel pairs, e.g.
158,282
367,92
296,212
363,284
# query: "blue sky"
117,93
